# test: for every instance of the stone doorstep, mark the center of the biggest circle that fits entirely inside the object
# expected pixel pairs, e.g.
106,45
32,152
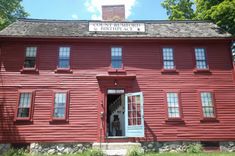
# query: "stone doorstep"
116,146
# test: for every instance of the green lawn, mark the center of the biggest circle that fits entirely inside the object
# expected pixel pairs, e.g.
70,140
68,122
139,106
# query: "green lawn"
155,154
188,154
176,154
181,154
99,153
169,154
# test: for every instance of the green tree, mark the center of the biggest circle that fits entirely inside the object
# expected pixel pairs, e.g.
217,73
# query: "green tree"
202,7
221,12
10,10
179,9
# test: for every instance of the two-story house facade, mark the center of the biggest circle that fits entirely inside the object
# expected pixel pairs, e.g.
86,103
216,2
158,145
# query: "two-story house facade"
126,81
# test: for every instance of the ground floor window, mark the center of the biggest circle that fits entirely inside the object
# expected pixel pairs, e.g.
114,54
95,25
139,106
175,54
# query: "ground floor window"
173,105
60,106
24,105
207,103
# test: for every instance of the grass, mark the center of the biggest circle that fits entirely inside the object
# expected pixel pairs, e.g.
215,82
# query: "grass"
154,154
189,154
98,153
169,154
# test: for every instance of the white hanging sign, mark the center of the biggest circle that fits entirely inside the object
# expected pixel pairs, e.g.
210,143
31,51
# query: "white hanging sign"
116,27
116,91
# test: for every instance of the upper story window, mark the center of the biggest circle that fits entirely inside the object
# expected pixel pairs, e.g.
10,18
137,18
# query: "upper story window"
200,55
60,105
116,57
30,57
207,103
24,105
168,58
64,57
173,105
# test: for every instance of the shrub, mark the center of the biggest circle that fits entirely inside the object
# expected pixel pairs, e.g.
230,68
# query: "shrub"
194,148
135,151
15,152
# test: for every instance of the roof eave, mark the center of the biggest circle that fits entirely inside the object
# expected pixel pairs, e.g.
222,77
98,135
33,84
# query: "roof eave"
2,37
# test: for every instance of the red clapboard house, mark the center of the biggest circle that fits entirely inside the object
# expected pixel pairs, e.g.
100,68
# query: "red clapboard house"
116,81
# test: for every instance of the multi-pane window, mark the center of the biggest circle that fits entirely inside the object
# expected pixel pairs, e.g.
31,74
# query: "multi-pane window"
207,104
173,105
64,57
134,110
24,105
30,57
60,103
168,58
200,55
116,57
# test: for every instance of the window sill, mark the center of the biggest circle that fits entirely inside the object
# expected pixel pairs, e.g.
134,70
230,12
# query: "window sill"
175,121
205,120
29,71
59,121
23,121
121,70
207,70
169,70
63,70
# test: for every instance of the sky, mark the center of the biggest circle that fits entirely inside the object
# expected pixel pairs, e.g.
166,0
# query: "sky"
91,9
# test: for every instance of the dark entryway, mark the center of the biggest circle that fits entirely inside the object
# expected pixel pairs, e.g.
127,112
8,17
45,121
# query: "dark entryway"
115,115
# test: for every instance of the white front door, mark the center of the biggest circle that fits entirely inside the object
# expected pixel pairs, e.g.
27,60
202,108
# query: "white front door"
134,114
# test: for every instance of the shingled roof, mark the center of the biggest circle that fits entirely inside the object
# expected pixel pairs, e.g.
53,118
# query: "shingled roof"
79,29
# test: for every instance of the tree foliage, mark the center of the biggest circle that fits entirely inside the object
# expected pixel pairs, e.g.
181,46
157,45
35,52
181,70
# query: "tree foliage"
221,12
179,9
10,10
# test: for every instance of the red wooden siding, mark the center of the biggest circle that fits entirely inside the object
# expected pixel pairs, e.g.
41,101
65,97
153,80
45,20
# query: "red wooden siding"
141,58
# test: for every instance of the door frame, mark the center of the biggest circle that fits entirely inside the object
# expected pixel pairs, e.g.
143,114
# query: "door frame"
105,83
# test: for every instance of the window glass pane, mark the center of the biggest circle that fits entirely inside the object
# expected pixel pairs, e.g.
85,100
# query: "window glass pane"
29,62
59,112
25,100
168,65
116,57
168,54
200,56
208,112
23,112
64,52
30,57
173,105
60,105
64,57
24,105
64,63
201,65
168,58
207,104
134,110
31,51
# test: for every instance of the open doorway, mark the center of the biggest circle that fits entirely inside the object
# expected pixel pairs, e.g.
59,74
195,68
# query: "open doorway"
115,114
